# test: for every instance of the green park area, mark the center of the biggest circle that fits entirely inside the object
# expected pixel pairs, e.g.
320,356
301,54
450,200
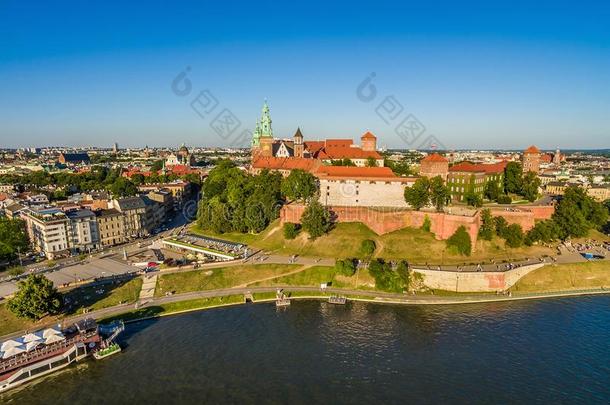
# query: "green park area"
75,302
565,277
344,240
218,278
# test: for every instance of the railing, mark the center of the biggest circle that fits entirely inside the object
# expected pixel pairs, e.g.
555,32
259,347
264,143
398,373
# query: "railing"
29,357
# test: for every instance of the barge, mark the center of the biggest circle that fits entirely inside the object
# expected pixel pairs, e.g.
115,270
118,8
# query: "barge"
35,354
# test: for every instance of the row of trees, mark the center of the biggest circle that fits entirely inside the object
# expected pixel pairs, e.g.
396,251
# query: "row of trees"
99,178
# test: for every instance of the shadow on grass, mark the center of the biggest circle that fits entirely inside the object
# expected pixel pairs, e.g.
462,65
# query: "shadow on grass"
80,298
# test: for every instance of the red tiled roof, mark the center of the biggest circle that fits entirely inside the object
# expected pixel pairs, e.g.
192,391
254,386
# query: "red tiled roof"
335,153
338,143
291,163
435,157
546,158
368,135
532,149
486,168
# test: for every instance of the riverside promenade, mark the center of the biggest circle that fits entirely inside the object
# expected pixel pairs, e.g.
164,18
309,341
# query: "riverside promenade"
315,293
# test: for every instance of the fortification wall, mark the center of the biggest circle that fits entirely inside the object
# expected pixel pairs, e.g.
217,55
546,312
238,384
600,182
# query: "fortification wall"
474,281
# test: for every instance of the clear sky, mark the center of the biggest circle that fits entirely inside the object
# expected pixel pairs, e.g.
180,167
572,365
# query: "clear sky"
490,74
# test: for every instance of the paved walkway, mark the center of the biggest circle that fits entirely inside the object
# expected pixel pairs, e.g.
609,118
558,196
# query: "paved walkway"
149,284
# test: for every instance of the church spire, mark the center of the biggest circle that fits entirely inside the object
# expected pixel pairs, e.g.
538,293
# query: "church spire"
266,130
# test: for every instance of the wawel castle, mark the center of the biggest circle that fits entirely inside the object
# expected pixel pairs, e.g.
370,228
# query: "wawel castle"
366,183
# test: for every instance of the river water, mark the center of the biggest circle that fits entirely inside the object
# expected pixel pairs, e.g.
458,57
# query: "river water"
549,351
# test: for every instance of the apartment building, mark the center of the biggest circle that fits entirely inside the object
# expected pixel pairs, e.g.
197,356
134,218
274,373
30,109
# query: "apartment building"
49,231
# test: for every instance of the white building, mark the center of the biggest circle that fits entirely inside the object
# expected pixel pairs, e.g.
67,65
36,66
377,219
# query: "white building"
48,230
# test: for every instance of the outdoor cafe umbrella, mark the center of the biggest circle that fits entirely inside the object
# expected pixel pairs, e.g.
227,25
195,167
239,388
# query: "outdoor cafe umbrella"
13,351
10,344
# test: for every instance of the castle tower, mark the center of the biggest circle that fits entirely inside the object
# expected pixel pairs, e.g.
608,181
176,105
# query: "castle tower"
531,160
266,132
557,157
368,142
298,143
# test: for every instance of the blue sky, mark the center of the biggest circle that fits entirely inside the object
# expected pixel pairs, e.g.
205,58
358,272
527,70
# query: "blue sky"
474,74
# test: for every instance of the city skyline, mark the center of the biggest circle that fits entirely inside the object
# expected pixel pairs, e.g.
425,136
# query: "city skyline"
503,80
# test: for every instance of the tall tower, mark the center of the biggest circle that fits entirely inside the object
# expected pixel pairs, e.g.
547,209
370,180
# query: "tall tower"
298,143
368,142
557,157
266,132
531,160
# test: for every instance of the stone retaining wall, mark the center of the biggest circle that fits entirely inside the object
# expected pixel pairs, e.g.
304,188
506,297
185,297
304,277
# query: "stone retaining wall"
474,281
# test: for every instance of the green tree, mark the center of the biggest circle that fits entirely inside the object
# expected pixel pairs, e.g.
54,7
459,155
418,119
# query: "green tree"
386,278
439,193
492,190
156,166
400,168
488,225
418,195
501,226
514,235
473,199
529,186
137,179
367,248
460,241
291,230
371,162
513,176
122,187
299,185
13,238
543,231
35,298
316,219
345,267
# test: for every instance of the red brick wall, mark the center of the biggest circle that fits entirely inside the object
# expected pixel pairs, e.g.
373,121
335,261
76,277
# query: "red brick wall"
382,222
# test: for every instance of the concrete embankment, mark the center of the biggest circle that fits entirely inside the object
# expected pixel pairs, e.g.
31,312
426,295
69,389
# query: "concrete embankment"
479,281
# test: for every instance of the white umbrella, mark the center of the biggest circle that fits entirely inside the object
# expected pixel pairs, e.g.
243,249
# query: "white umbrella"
53,339
32,337
32,345
49,332
13,351
10,344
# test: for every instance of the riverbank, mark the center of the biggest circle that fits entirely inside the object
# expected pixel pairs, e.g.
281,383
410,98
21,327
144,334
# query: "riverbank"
163,310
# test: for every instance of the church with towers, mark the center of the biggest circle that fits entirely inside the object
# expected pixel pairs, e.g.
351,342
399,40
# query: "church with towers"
270,152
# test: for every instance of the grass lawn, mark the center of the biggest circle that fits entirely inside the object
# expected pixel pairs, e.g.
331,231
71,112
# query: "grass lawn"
575,276
223,277
109,295
415,245
9,323
172,307
316,275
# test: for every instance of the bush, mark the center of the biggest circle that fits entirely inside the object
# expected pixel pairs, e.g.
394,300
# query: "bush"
474,200
427,225
504,199
367,248
460,240
346,267
291,230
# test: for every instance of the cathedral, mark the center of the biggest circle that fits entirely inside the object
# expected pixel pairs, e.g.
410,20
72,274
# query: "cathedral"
265,147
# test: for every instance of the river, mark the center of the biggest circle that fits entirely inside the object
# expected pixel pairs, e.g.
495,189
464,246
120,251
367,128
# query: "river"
555,350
